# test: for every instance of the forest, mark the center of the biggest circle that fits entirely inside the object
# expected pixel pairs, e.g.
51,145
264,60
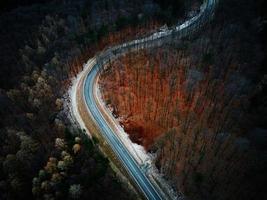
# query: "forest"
198,104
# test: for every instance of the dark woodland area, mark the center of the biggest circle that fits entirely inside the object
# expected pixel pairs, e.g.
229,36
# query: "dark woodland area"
198,104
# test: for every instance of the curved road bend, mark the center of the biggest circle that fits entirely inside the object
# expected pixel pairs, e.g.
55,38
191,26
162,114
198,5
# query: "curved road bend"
142,181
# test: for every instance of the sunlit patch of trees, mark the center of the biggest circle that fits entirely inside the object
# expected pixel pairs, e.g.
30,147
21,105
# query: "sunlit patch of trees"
73,171
57,179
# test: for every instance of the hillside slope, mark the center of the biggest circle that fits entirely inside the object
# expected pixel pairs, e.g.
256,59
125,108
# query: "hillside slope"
193,104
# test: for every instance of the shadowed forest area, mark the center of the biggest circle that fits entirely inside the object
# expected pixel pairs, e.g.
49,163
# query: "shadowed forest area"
198,104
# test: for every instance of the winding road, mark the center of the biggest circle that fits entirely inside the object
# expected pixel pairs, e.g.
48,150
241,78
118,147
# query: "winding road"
85,88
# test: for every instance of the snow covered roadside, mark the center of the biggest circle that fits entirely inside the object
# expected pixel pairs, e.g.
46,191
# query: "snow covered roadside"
72,104
143,158
137,151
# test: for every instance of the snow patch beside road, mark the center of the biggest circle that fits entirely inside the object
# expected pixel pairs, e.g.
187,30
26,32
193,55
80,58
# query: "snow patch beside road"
137,151
72,93
142,157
